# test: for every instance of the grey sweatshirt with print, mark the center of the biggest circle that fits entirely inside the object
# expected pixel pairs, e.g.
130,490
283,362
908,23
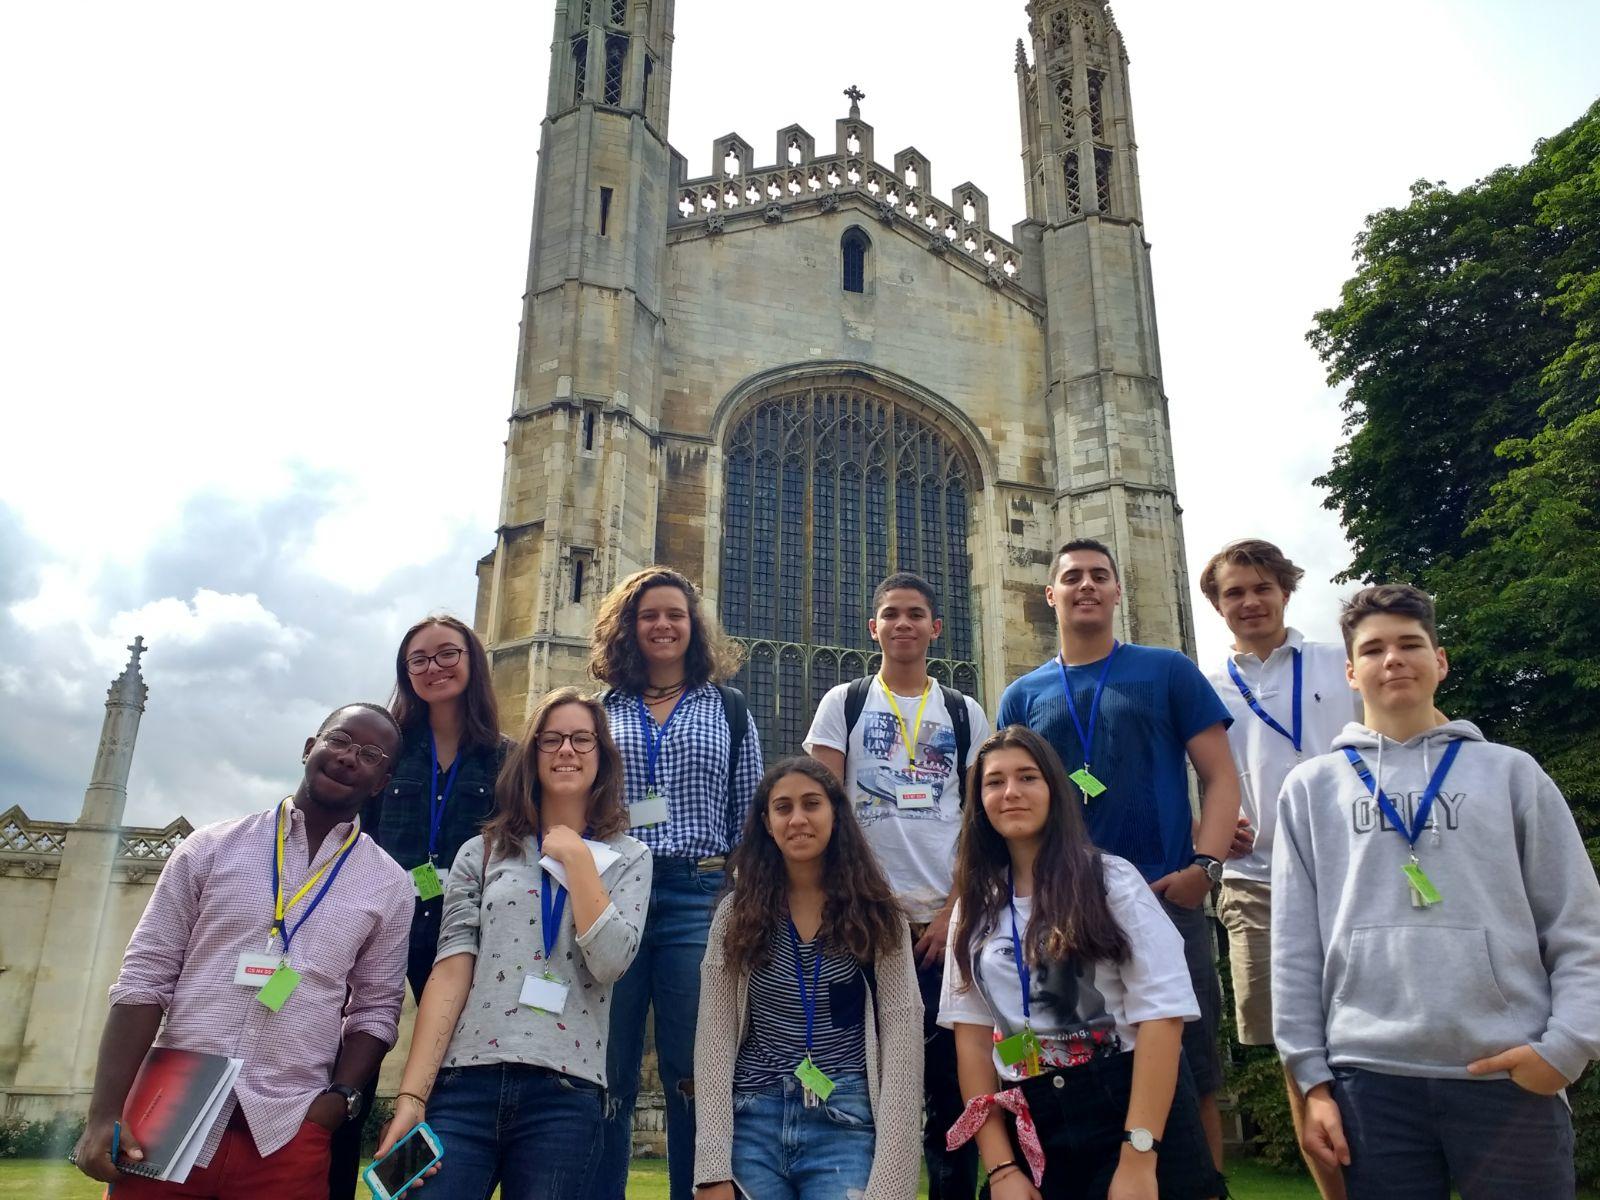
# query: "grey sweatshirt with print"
1509,957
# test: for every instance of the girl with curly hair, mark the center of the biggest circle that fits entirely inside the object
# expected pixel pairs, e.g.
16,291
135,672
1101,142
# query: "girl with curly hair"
809,1061
692,758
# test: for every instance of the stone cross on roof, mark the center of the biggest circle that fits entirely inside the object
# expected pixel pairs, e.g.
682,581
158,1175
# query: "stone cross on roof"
856,96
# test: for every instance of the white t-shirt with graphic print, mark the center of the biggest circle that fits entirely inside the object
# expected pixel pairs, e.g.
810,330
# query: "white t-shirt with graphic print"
915,846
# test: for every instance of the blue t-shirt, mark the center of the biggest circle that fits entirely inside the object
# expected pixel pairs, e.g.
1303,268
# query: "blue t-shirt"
1155,701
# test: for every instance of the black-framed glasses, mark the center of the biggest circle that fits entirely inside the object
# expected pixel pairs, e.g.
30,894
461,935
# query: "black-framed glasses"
582,741
417,663
338,741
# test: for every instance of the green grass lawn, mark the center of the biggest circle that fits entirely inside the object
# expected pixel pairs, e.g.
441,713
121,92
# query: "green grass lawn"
39,1179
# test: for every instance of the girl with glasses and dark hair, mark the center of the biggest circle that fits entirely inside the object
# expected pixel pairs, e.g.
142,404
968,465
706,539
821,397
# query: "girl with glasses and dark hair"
808,1063
542,915
440,794
1067,990
692,759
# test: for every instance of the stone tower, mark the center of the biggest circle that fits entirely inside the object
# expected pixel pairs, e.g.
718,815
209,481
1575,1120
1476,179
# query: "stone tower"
1106,404
788,377
65,1000
578,509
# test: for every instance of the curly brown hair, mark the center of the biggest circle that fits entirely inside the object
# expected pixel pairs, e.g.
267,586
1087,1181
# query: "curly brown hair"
516,792
860,915
1071,915
614,655
480,714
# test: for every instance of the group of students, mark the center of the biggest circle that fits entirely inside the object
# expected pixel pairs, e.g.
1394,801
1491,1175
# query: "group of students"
918,943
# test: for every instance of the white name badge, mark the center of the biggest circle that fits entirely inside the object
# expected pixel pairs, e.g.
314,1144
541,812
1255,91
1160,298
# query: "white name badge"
652,810
547,995
914,795
255,969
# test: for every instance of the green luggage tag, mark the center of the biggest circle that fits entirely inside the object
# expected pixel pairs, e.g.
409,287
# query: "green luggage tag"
1423,893
276,991
813,1079
425,879
1087,783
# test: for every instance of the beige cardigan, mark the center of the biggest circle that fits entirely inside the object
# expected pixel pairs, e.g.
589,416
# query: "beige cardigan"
894,1065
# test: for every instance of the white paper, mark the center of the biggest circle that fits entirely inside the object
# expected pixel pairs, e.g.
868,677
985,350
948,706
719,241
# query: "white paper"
178,1169
254,970
650,811
603,854
914,795
547,995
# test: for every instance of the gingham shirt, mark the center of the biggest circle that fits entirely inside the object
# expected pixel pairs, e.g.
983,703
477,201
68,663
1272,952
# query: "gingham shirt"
214,900
691,772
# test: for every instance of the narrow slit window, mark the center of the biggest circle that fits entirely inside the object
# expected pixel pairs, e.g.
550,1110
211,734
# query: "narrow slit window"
854,247
605,223
588,431
644,99
577,580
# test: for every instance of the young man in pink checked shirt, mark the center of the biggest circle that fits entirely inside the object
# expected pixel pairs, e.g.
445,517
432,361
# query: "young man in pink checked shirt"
299,884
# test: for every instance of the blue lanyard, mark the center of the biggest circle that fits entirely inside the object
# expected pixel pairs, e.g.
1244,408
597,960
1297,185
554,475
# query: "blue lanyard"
285,931
1255,705
437,799
1086,739
550,909
653,741
1016,948
808,999
1424,806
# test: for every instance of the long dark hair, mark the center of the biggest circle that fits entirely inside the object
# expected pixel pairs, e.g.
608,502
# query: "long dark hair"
859,914
1071,915
614,655
480,714
517,791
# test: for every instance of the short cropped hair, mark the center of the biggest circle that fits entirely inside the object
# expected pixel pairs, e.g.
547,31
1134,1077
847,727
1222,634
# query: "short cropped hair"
1397,599
1084,544
905,581
383,712
1250,552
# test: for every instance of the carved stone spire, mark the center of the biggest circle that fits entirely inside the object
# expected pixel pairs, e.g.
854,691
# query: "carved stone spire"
107,795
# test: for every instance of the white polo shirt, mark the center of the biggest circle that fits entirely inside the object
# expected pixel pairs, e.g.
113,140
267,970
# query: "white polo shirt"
1262,755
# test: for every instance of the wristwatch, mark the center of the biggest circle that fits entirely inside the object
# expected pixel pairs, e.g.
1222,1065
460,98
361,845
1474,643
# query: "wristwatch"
352,1099
1142,1140
1211,866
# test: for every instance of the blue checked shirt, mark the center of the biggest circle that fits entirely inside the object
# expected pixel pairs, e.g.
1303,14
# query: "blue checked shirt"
691,772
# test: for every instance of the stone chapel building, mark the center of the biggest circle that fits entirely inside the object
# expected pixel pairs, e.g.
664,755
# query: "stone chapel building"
795,375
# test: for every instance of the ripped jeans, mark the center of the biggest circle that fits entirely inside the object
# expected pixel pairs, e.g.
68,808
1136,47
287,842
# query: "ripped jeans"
783,1150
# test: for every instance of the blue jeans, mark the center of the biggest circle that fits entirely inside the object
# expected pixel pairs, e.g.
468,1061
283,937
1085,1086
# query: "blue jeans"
532,1131
1414,1138
783,1150
664,976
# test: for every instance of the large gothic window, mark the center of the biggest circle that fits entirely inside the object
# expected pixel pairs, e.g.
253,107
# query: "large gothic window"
829,487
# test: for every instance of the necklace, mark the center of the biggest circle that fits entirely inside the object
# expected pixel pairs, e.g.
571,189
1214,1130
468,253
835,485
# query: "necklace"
653,694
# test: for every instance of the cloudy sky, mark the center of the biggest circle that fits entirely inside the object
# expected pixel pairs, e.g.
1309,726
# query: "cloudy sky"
261,271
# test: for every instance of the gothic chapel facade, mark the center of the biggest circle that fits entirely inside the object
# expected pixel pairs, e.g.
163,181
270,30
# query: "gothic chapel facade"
787,380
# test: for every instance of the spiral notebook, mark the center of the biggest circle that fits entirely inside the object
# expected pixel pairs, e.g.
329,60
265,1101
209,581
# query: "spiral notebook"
173,1103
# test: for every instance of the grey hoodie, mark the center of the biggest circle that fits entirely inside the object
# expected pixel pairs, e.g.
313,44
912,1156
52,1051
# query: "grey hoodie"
1509,957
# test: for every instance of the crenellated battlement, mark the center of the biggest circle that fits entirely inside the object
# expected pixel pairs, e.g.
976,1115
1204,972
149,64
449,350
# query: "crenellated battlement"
901,195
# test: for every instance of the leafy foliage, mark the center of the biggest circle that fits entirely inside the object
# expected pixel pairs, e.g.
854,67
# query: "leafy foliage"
1469,337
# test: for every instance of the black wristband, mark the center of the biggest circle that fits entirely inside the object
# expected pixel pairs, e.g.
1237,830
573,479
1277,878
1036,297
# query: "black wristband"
998,1167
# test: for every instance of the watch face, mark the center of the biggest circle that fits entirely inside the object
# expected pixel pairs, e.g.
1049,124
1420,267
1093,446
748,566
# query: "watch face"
1141,1140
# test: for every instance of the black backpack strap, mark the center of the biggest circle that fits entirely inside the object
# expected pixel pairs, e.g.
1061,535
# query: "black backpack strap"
737,713
960,723
855,701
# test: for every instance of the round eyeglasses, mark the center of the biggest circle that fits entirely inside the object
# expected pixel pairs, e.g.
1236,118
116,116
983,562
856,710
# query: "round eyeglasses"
339,742
582,741
416,664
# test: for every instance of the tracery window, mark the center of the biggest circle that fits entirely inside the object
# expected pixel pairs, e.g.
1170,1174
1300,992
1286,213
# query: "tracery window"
829,487
580,68
1102,179
1074,185
616,59
1069,124
1097,106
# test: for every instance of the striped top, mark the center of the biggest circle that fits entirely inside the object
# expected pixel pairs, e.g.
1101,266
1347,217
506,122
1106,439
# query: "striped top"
776,1041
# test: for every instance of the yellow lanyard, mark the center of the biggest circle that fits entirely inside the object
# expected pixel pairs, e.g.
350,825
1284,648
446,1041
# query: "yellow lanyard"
279,907
908,737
